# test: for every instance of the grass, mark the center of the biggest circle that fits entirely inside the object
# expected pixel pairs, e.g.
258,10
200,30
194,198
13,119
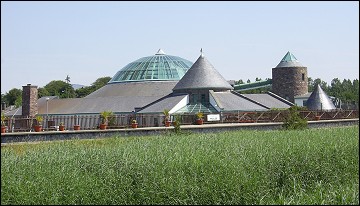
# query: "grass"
312,166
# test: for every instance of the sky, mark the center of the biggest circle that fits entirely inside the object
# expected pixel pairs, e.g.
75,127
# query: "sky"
46,41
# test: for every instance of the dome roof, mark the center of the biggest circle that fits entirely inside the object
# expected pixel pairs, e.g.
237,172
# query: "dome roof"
202,75
153,68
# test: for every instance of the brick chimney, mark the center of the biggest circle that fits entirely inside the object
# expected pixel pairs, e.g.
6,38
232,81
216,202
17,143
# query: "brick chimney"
29,100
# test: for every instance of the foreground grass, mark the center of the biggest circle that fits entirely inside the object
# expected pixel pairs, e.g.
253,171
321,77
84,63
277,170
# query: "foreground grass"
313,166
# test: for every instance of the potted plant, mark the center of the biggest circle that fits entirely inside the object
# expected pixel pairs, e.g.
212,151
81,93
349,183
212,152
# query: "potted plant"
105,119
38,126
76,127
134,124
3,125
61,126
199,118
167,118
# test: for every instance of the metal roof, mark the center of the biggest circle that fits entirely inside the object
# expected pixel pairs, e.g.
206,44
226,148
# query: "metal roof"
202,75
289,60
167,102
155,88
319,100
230,101
269,100
153,68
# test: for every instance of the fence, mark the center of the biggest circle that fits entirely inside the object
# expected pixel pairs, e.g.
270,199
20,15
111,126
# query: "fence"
88,122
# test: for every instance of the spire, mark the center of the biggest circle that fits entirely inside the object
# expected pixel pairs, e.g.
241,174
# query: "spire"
201,52
289,60
160,52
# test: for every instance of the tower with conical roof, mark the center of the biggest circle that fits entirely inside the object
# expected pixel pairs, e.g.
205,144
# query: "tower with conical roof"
289,78
199,79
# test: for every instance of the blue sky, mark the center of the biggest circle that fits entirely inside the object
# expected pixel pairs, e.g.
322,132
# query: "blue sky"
45,41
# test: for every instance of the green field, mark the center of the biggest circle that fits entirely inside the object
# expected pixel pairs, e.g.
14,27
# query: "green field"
311,166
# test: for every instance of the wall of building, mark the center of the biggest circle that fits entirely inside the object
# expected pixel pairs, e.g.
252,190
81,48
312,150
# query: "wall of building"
289,82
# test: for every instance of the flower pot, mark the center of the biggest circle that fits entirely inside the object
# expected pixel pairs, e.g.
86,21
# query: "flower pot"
38,128
167,124
102,126
61,128
317,118
3,129
199,121
134,125
76,127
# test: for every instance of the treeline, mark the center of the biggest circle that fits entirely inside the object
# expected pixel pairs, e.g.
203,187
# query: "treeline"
58,88
346,90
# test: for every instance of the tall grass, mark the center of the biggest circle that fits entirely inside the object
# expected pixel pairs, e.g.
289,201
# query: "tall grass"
313,166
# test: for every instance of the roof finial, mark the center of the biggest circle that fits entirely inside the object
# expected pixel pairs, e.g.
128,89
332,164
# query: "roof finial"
160,52
201,52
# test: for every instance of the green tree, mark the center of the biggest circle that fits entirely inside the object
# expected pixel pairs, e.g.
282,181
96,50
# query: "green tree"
294,120
60,88
84,91
11,96
42,92
100,82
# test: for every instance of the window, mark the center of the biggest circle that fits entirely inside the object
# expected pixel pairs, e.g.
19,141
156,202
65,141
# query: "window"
303,76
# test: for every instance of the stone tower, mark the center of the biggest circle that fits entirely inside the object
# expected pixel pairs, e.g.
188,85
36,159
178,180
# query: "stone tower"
289,78
29,101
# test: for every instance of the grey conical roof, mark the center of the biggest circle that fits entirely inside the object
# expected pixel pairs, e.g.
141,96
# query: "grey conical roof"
319,100
289,60
202,75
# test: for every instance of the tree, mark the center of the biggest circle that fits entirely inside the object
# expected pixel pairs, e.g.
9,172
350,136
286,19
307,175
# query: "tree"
84,91
11,96
42,92
60,88
100,82
248,81
312,84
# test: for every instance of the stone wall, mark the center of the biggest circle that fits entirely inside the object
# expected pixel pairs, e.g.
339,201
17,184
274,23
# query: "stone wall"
289,82
206,128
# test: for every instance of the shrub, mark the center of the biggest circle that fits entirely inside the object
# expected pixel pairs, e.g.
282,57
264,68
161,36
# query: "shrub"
294,120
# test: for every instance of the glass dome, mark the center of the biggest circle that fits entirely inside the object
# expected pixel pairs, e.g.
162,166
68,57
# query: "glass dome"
153,68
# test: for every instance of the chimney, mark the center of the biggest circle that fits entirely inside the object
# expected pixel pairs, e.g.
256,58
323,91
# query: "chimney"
29,100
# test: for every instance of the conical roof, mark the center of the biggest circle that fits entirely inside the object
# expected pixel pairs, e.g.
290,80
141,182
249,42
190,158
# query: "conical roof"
319,100
289,60
202,75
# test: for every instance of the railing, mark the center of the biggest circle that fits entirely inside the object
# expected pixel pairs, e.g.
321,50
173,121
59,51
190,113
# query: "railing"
88,122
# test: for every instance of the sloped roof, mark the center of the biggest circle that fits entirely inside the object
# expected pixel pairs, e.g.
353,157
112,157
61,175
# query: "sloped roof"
202,75
289,60
119,104
230,101
319,100
154,88
270,100
167,102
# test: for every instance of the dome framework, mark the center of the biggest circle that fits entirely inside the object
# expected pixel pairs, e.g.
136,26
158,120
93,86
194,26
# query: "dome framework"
153,68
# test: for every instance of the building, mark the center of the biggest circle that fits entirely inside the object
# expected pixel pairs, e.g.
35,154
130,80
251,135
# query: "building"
148,86
289,78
